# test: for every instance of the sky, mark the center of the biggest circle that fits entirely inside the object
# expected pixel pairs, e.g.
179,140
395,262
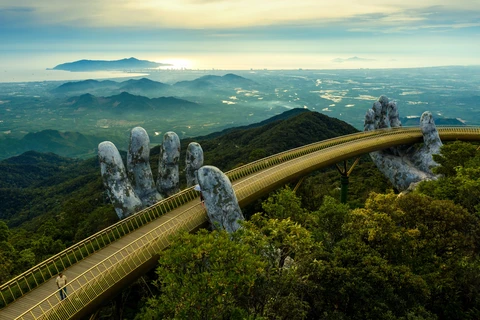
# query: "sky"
242,34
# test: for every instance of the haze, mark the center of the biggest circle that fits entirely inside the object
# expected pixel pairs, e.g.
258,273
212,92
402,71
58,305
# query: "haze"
221,34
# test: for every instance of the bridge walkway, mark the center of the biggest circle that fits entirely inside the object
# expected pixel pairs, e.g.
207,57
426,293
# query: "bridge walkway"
47,293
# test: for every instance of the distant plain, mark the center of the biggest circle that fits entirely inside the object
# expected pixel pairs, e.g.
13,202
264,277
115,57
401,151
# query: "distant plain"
209,104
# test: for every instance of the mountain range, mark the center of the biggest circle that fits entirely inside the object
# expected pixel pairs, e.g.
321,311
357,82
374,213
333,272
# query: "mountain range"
229,80
152,88
311,126
126,102
66,144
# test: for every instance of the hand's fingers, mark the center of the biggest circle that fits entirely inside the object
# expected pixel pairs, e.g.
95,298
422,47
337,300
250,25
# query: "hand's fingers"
377,110
369,122
393,116
399,170
193,162
168,179
382,121
116,182
431,138
222,206
138,167
171,148
430,133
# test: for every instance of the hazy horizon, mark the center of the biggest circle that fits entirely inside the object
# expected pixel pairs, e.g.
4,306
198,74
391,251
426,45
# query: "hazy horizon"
240,35
19,69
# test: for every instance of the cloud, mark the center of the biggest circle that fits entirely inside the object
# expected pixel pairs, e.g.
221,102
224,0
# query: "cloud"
218,14
412,20
340,28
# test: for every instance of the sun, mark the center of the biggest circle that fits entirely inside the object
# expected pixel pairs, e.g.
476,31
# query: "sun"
175,63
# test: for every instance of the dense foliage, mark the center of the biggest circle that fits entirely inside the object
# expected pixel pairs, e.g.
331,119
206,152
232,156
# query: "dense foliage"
398,257
302,256
50,202
241,146
460,167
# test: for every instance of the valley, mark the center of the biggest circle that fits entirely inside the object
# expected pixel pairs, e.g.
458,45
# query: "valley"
194,103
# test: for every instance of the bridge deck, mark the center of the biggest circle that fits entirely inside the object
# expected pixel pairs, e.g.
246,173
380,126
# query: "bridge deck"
108,270
23,304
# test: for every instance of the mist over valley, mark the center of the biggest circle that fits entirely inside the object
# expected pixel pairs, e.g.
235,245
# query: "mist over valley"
198,102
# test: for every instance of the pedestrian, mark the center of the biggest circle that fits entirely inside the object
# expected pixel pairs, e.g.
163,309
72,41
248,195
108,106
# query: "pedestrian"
62,285
202,200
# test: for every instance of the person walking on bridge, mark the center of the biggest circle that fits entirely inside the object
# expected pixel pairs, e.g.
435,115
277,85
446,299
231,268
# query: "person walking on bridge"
202,200
61,285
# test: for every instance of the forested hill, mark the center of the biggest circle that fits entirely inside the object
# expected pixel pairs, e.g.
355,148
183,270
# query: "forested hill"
49,202
243,145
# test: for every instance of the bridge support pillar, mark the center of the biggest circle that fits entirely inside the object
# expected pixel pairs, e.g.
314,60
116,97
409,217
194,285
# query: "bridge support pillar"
344,179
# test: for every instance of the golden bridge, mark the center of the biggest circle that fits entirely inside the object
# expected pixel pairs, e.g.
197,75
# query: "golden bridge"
102,265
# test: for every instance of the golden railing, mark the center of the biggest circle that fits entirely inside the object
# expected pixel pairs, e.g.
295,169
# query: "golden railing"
370,141
86,287
30,279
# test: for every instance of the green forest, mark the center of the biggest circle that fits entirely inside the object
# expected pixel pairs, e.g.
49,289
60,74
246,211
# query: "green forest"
300,254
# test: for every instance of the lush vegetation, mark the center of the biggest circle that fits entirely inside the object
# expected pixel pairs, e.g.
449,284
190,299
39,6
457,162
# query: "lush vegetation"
303,255
414,256
50,202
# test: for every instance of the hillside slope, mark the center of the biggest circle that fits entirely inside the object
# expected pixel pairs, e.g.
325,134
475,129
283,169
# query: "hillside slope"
240,146
50,202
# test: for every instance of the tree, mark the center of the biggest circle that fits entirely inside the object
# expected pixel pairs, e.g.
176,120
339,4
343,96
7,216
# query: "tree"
434,239
7,256
329,219
4,231
453,155
285,204
25,260
460,165
205,276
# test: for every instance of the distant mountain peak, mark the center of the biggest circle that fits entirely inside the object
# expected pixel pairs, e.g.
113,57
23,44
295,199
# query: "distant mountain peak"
352,59
233,76
227,81
108,65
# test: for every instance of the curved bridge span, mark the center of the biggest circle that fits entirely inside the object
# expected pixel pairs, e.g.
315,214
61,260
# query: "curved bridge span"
103,264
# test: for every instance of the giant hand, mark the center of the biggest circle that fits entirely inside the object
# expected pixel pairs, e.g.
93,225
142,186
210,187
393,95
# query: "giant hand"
403,165
133,188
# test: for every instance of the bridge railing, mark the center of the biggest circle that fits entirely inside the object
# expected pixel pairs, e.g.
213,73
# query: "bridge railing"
28,280
32,278
94,282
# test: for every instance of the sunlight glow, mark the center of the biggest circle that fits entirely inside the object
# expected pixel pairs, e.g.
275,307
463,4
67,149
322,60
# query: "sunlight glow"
176,64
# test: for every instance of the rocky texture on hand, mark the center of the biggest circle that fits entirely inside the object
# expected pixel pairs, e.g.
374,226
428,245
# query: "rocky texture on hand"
138,167
220,200
168,182
404,166
193,162
115,179
134,189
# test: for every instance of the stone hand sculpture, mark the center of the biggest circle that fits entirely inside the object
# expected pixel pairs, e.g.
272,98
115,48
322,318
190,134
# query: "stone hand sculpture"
193,162
404,166
133,188
222,206
168,182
